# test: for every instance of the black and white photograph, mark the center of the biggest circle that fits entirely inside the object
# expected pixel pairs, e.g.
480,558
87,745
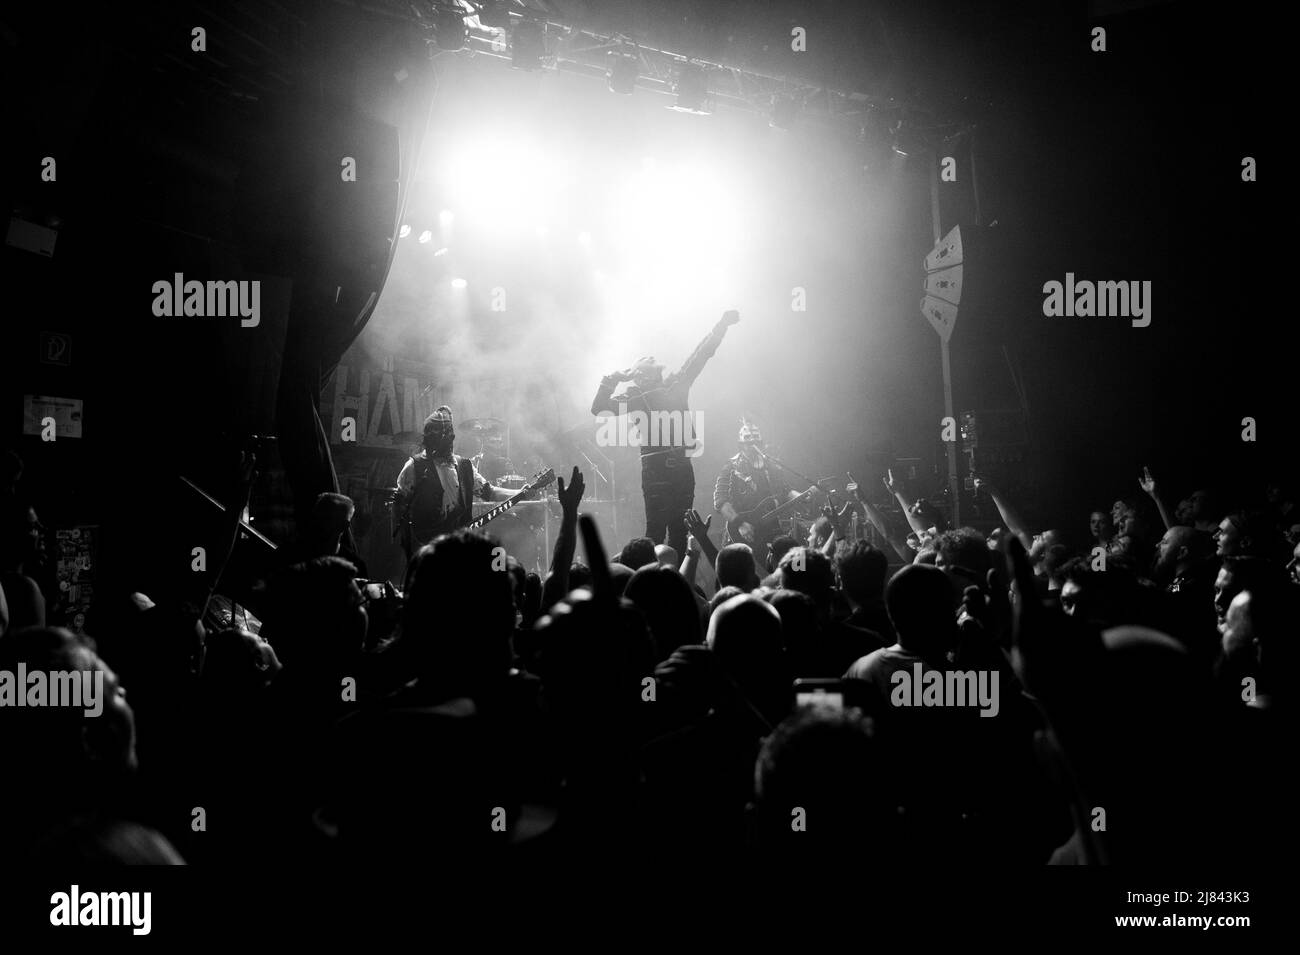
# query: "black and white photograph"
461,456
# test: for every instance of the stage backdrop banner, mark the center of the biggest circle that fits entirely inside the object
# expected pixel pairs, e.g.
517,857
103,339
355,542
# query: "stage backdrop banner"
387,399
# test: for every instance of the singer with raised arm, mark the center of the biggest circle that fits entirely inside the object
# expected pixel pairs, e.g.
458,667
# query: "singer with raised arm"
667,476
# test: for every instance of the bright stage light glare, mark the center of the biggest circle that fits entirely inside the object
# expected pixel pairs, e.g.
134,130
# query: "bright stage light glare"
458,283
688,231
442,251
584,238
404,231
425,236
503,180
445,217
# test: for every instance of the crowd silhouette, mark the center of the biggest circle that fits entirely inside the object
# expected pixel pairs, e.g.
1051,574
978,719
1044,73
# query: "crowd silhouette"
1143,669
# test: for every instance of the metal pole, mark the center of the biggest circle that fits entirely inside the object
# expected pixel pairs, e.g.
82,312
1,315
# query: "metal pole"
953,490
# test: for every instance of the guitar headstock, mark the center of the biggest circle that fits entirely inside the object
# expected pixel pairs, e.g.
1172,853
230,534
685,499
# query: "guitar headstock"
541,479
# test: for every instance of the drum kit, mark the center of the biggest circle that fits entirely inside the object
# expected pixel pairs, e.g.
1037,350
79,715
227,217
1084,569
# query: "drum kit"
524,531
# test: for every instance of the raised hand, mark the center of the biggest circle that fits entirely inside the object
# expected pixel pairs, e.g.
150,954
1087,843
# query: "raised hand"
696,526
571,495
1028,611
730,317
602,584
580,605
892,485
1147,482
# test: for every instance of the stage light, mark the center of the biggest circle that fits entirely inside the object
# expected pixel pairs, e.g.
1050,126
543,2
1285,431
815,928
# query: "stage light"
584,238
494,14
458,283
784,112
527,45
425,236
693,92
907,141
404,231
874,140
623,73
449,28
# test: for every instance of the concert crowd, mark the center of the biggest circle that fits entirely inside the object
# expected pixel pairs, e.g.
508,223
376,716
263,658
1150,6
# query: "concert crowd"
1141,658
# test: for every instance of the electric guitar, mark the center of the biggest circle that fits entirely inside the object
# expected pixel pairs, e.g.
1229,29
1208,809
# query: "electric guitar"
763,518
540,480
413,542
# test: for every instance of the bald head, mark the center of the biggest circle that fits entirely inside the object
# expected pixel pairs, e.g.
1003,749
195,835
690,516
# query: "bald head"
744,631
735,567
667,556
1179,549
745,639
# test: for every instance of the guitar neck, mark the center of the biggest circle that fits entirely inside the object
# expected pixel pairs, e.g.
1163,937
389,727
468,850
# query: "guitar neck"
782,508
496,511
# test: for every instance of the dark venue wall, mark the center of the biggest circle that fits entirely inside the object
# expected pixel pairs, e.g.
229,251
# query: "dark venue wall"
205,167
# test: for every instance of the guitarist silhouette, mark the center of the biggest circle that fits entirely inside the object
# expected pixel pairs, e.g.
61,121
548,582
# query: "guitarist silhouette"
436,488
748,493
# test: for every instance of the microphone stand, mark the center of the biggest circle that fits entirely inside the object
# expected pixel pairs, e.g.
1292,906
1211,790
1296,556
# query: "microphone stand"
785,467
592,465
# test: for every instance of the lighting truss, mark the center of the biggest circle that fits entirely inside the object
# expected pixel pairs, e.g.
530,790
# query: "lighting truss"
575,50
